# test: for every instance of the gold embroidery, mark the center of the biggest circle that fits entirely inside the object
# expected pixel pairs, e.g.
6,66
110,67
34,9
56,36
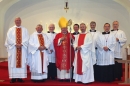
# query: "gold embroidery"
64,55
41,41
18,50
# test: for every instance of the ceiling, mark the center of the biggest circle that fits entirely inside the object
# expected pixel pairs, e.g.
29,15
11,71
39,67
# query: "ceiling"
26,7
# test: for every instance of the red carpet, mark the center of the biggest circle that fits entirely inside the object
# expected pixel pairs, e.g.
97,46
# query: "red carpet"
4,76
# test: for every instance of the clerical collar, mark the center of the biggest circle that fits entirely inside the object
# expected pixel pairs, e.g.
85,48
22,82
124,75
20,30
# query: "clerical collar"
105,32
75,33
92,30
38,33
83,32
50,32
17,26
114,30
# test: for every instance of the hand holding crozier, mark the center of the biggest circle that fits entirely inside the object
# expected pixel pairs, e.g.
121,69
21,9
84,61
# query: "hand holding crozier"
78,48
62,39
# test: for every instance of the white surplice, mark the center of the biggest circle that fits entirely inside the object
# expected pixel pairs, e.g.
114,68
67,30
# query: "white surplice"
75,34
63,74
94,46
119,45
87,63
106,57
34,59
51,56
11,49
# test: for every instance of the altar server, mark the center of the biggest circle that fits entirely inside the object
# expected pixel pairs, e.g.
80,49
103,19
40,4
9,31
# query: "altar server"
106,43
52,72
94,33
120,42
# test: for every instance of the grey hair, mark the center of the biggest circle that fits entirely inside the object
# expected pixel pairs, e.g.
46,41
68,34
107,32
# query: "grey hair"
116,21
39,25
82,24
92,22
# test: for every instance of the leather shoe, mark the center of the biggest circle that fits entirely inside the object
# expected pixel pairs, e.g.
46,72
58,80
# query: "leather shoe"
13,80
20,80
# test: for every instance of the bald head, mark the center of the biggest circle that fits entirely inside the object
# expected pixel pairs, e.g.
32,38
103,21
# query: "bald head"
17,18
17,21
51,27
115,25
115,22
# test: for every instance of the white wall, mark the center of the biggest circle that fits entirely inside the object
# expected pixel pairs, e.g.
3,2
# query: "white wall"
48,11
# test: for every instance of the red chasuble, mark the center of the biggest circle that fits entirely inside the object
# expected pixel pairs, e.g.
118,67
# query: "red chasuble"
41,42
79,59
18,50
63,52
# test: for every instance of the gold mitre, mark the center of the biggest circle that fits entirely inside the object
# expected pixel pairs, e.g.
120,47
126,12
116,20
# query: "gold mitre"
63,22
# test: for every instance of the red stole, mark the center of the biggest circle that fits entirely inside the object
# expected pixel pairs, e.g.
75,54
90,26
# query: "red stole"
18,50
79,60
41,42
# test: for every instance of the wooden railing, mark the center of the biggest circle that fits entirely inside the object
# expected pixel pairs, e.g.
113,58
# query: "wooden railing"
127,67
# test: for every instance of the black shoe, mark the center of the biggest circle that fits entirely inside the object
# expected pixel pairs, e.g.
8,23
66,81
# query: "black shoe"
87,83
79,82
43,80
67,80
35,81
48,77
72,80
61,80
53,78
119,79
20,80
39,81
13,80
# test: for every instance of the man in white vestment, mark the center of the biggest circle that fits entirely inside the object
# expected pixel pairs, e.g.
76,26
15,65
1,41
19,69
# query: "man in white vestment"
52,72
38,50
94,33
16,43
106,43
120,42
83,64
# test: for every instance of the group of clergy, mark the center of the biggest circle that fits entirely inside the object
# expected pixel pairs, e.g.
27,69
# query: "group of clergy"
83,56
